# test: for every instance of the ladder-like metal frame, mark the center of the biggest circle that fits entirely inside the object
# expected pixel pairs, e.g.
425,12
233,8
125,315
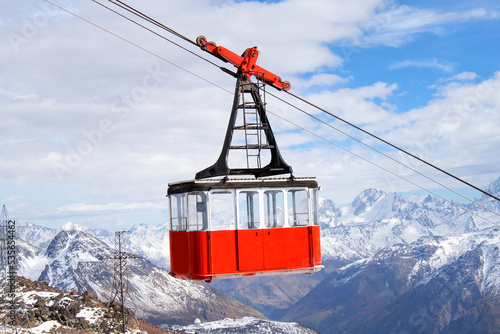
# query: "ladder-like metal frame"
253,128
257,133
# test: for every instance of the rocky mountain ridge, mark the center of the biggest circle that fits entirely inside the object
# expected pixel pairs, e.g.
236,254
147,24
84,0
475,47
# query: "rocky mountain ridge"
75,260
50,310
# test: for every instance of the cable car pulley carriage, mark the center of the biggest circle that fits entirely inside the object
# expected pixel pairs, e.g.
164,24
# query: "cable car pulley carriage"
224,227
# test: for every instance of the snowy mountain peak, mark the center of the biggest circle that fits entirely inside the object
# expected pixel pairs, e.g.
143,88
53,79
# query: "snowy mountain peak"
420,199
493,188
366,200
69,226
329,213
369,196
69,241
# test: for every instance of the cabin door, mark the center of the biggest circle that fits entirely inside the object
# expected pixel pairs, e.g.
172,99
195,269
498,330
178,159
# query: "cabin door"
250,243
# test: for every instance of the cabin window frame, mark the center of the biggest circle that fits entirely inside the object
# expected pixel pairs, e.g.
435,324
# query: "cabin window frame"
211,201
257,221
314,207
279,218
294,217
178,223
197,211
186,216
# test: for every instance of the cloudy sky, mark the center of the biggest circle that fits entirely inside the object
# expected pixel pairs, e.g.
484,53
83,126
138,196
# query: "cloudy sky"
93,127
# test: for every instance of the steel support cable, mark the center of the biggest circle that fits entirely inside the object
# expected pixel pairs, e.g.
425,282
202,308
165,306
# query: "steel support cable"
224,89
381,167
394,146
157,34
149,19
137,46
382,153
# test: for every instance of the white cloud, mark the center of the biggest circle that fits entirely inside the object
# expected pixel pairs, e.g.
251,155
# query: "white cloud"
359,104
92,208
456,129
399,25
464,76
319,80
430,63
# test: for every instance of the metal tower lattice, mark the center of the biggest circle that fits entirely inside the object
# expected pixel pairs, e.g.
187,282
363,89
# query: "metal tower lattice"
14,312
120,286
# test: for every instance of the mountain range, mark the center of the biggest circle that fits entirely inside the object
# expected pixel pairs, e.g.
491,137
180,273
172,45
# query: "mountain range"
75,260
433,285
421,264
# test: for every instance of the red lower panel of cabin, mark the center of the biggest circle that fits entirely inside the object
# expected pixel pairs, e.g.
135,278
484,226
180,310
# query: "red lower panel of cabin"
234,253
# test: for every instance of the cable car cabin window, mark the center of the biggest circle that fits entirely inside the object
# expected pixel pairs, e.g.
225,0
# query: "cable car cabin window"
221,211
249,209
314,206
197,210
298,208
178,217
274,205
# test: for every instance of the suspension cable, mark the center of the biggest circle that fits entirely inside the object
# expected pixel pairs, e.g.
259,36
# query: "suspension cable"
154,32
394,146
293,95
383,168
382,153
138,46
149,19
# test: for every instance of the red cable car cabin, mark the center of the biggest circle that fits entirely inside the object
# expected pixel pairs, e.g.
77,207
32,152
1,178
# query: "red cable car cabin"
223,227
242,227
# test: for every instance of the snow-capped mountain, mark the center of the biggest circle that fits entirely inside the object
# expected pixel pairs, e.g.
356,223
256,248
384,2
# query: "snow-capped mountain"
434,285
78,261
149,241
376,219
488,204
35,235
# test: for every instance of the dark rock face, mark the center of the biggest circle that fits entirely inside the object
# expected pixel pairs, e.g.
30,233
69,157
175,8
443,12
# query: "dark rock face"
73,311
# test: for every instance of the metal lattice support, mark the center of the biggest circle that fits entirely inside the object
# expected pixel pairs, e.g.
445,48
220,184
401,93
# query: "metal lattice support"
255,138
15,316
120,286
249,108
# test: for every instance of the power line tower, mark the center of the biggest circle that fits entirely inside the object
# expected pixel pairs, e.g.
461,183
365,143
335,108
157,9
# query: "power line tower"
15,316
120,286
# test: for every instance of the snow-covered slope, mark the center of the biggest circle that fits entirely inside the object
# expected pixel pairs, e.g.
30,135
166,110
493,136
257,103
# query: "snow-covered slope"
77,261
150,242
36,235
247,325
434,285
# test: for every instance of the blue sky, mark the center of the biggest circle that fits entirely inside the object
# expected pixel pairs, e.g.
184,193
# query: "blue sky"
94,128
429,58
